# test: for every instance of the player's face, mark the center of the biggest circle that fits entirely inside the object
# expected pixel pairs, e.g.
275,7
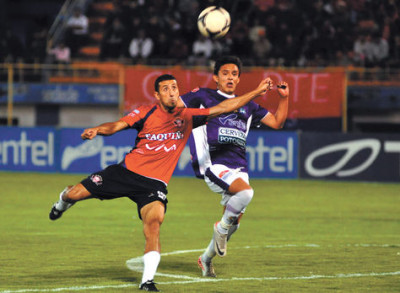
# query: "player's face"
168,94
227,78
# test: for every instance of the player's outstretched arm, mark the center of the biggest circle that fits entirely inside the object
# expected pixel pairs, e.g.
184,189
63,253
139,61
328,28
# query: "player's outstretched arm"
104,129
233,104
277,120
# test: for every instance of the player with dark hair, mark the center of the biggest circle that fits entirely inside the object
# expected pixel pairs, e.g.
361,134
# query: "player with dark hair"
143,175
218,150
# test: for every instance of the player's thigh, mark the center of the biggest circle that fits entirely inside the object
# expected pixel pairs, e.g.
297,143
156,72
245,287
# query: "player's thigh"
153,213
238,185
219,179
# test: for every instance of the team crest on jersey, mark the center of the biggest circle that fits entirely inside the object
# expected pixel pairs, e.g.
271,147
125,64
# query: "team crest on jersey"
195,90
96,179
241,111
179,122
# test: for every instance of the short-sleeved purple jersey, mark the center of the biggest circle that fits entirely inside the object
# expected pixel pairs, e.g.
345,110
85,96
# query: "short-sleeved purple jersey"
223,139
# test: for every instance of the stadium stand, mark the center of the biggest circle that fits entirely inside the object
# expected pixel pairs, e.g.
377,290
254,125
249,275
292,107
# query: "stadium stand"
359,36
296,32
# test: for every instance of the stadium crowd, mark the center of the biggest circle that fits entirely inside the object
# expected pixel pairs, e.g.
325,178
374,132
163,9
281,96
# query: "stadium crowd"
263,32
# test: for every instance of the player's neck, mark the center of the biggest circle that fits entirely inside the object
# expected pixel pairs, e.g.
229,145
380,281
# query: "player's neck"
166,109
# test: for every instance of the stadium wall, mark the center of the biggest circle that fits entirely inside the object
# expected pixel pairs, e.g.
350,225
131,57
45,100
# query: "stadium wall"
271,154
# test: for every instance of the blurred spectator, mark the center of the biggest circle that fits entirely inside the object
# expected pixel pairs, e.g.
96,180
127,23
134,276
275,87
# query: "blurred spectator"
241,41
153,26
12,49
77,31
37,45
140,47
201,51
343,59
255,30
114,41
380,49
61,53
160,50
289,53
222,46
178,51
300,32
359,49
262,48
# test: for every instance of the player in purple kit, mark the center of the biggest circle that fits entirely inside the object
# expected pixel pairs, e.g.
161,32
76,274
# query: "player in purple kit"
218,150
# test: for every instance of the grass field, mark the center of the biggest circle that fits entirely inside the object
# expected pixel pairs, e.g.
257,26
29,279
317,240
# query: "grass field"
296,236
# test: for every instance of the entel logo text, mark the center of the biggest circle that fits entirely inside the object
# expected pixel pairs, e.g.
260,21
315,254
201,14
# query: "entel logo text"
280,158
25,152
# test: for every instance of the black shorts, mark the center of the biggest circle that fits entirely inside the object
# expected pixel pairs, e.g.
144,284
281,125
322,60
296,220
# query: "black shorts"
116,181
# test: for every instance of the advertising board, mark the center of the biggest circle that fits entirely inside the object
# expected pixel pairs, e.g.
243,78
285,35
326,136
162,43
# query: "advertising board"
365,157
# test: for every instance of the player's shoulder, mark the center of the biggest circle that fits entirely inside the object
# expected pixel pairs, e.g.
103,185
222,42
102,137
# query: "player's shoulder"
142,110
146,108
200,91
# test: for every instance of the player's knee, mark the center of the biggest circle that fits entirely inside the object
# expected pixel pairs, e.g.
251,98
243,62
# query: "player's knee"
246,196
75,193
72,195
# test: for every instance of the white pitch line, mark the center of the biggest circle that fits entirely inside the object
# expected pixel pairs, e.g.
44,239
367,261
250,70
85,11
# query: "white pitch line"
136,264
209,280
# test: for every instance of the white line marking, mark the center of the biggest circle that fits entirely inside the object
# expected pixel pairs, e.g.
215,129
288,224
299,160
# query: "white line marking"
136,264
201,280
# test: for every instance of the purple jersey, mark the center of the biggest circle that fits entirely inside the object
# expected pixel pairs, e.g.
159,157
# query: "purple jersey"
223,139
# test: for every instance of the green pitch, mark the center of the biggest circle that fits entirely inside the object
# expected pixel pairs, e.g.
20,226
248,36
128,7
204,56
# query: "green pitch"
296,236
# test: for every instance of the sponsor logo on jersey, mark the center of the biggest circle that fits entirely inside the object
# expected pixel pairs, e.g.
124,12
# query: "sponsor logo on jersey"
230,120
164,136
195,90
160,147
96,179
231,136
223,173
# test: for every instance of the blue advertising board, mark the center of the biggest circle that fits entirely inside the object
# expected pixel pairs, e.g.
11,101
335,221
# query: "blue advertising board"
270,154
87,156
62,93
28,149
363,157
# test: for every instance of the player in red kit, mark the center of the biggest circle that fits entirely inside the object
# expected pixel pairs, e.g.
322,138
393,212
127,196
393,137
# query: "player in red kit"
143,175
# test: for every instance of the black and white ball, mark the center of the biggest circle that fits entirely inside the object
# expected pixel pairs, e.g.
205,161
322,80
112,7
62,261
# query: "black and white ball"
214,22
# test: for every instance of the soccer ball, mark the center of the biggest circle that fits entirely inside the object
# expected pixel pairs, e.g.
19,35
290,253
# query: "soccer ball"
214,22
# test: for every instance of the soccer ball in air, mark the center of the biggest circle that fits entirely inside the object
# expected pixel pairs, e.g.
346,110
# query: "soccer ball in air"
214,22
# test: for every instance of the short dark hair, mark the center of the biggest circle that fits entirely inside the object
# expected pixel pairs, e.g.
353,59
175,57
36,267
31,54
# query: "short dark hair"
162,78
227,60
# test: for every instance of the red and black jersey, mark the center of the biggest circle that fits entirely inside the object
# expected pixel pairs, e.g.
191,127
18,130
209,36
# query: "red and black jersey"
161,138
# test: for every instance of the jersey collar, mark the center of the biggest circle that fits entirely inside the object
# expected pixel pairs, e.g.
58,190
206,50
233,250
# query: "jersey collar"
225,95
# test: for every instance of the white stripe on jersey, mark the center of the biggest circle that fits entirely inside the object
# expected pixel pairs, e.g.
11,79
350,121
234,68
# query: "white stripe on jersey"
248,125
202,148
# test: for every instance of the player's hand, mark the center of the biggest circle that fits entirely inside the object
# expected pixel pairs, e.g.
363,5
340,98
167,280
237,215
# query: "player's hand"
265,85
283,89
89,133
